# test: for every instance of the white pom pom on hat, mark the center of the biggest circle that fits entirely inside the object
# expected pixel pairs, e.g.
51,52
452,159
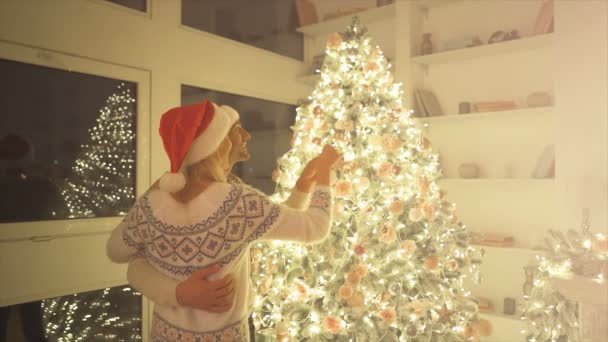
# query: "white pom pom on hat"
190,134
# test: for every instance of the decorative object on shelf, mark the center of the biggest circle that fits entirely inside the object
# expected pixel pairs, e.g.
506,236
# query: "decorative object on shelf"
545,165
475,41
514,34
381,3
496,37
539,99
426,47
330,9
317,63
464,107
492,239
485,305
549,313
426,103
509,306
494,106
468,170
544,19
503,36
307,13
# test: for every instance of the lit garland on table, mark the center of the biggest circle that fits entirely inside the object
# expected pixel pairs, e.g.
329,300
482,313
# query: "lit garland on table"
393,266
550,316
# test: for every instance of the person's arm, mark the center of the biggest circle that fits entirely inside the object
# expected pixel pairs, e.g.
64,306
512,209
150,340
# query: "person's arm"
125,240
196,291
300,195
314,223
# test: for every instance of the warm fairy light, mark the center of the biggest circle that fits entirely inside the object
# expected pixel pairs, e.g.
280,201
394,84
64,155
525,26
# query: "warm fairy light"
100,184
359,282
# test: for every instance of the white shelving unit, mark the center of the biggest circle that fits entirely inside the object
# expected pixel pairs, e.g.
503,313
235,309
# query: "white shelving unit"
505,144
486,50
337,24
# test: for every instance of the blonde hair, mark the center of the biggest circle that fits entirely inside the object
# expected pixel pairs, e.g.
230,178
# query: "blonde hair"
209,167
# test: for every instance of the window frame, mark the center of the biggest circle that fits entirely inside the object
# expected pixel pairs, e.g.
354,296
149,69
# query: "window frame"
39,256
126,9
47,230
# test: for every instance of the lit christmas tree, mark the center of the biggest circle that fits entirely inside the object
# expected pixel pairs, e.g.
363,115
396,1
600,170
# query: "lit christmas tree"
393,266
101,184
101,181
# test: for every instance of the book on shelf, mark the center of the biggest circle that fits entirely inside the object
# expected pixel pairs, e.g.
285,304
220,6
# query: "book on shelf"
494,106
426,103
544,19
484,305
492,239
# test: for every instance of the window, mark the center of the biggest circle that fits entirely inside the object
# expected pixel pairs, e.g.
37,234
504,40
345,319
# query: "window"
67,144
269,125
139,5
267,24
111,314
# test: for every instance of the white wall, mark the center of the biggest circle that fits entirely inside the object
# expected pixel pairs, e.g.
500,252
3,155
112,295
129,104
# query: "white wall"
171,55
581,87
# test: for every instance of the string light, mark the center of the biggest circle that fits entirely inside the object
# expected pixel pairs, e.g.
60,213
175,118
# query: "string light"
101,184
361,282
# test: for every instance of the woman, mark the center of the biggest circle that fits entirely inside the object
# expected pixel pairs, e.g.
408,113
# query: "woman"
193,219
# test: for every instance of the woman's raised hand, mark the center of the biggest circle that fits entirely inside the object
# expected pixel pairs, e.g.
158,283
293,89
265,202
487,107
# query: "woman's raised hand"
328,157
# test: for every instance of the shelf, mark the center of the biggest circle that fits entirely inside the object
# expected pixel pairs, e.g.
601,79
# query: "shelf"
338,24
427,4
309,79
512,249
523,112
496,181
522,44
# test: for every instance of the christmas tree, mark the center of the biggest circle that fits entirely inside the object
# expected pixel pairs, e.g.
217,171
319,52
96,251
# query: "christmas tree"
393,266
101,184
101,181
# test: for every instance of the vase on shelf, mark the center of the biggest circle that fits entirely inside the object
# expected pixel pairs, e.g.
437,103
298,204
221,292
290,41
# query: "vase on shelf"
426,47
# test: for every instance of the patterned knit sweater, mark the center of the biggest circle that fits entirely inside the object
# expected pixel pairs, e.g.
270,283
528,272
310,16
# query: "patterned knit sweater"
217,227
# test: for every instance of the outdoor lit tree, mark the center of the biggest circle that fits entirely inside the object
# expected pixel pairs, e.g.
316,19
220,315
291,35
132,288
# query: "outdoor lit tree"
101,184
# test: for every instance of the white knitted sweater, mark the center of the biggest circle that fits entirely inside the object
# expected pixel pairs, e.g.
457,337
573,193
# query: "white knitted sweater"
216,227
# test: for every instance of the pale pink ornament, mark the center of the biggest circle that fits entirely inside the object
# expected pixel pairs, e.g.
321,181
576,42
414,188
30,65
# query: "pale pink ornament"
363,184
451,265
357,299
361,270
353,279
334,40
385,169
429,211
416,214
345,292
388,234
396,207
343,188
359,249
408,247
391,143
388,315
431,262
419,308
332,324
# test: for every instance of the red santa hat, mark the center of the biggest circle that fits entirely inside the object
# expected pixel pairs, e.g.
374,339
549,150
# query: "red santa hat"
191,134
